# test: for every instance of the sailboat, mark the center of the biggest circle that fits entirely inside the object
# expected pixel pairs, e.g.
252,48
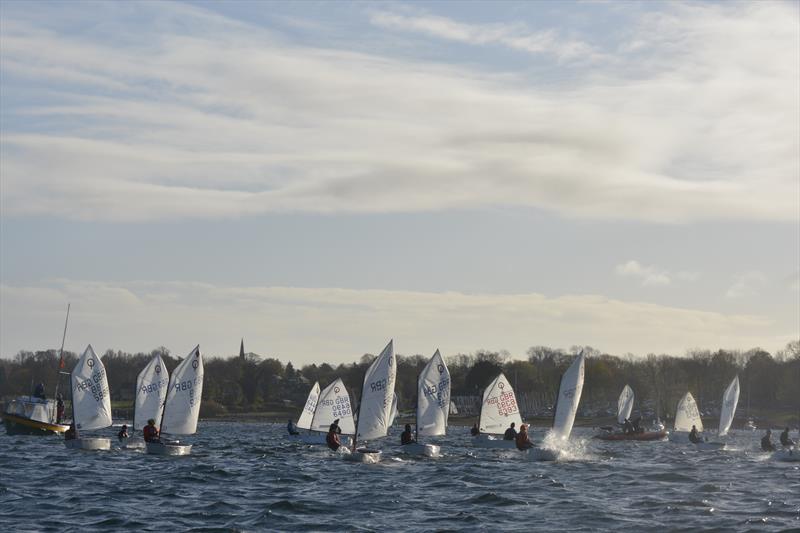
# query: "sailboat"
374,411
433,406
181,406
498,410
91,402
304,421
730,399
687,415
333,403
151,391
624,409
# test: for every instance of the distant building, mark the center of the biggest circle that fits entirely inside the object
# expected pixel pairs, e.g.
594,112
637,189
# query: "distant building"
241,350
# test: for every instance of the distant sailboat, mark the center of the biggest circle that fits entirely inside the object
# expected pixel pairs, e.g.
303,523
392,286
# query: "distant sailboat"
569,396
624,409
687,415
729,402
433,406
498,411
151,392
374,411
182,406
91,402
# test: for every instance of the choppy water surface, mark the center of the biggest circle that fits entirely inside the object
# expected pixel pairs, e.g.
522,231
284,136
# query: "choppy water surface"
248,477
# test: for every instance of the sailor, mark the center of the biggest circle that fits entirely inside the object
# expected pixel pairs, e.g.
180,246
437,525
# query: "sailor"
59,409
123,432
635,424
510,433
39,391
523,440
150,431
474,431
785,440
627,427
71,433
693,436
291,428
332,438
766,442
405,437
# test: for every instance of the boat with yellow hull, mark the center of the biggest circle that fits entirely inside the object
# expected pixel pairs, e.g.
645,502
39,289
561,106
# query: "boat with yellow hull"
32,416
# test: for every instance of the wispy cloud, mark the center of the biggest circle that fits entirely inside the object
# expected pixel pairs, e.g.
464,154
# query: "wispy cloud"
189,114
746,285
338,325
516,36
647,275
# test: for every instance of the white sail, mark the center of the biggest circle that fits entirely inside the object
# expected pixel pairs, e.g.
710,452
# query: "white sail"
393,410
433,397
151,391
376,396
304,422
499,407
334,404
184,393
687,414
569,396
729,402
91,399
625,404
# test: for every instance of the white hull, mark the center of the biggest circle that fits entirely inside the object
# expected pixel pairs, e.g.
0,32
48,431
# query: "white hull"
491,442
131,443
88,443
160,448
791,455
683,438
428,450
318,439
362,455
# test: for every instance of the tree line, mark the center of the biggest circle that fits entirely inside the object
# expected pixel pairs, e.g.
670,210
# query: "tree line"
252,383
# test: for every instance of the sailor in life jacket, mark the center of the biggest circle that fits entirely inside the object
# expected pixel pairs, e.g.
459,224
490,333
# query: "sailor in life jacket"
150,431
522,439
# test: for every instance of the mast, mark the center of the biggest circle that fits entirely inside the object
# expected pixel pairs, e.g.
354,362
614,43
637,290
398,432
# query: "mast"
166,397
61,359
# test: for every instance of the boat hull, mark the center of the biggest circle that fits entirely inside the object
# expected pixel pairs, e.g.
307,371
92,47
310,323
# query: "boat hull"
132,443
160,448
19,425
363,455
88,443
491,442
647,435
427,450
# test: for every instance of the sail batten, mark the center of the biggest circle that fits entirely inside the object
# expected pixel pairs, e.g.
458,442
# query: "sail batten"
334,404
376,396
91,398
729,402
499,408
151,391
433,397
304,422
569,396
184,393
687,414
625,404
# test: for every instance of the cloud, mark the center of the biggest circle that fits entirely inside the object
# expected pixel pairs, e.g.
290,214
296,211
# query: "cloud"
515,36
189,114
648,275
746,285
338,325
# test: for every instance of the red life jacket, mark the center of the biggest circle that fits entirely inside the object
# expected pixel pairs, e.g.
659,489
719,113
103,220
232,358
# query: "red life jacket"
150,433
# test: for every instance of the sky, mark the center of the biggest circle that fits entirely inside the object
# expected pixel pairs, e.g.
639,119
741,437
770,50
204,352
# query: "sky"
320,177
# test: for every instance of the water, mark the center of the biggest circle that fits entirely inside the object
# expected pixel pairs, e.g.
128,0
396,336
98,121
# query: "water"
247,477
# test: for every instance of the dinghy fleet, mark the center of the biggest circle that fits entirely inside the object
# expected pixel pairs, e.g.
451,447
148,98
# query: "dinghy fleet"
166,406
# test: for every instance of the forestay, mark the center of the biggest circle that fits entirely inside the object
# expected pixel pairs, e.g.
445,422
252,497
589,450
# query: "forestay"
151,391
569,396
333,404
433,397
625,404
499,408
729,402
91,399
376,396
304,422
182,407
687,414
